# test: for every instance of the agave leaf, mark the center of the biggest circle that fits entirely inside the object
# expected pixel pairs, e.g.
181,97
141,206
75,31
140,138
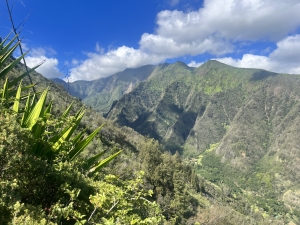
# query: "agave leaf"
91,161
6,47
36,111
16,80
5,91
26,110
32,103
81,145
66,133
13,91
37,130
78,137
66,113
77,121
48,109
79,112
11,65
102,163
17,100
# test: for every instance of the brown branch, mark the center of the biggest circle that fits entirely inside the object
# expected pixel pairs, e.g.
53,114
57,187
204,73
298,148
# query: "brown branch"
20,47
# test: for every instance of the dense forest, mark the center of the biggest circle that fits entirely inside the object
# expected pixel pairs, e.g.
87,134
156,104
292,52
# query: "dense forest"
59,165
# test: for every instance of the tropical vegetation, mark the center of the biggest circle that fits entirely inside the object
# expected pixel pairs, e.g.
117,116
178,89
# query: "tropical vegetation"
60,165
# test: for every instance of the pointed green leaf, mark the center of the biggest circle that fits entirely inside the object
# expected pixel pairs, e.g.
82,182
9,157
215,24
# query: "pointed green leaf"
66,133
79,112
104,162
13,91
11,66
16,80
48,109
5,91
26,111
78,137
36,111
4,50
81,145
17,100
91,161
66,113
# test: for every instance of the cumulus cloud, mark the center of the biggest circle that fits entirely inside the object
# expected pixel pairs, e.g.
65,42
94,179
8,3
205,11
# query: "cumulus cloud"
216,28
102,65
49,67
194,64
285,58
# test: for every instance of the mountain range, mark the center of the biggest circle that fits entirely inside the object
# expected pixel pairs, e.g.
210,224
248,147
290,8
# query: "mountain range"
238,127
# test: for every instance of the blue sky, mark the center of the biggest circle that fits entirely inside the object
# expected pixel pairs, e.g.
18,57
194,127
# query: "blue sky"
88,40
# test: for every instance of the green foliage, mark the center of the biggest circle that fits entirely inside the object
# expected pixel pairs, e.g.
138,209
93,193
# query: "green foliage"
51,169
124,202
41,174
171,181
252,114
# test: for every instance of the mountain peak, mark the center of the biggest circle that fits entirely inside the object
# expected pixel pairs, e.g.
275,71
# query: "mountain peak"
214,63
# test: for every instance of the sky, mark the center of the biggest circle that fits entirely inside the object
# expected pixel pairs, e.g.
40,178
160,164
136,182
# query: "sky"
88,40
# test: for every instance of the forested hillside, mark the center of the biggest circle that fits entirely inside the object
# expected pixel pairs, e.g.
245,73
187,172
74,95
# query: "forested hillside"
238,127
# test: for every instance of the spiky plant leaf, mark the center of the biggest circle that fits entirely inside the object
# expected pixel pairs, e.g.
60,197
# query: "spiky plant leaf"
5,91
66,113
104,162
26,110
91,161
11,65
18,97
81,145
48,109
36,111
16,80
66,133
4,49
78,137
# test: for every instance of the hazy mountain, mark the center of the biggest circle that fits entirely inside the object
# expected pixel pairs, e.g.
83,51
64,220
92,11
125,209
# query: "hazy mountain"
100,94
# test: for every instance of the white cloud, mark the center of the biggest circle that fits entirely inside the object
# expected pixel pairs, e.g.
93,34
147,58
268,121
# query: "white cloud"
216,28
234,19
99,49
75,62
285,58
36,52
102,65
49,68
194,64
288,50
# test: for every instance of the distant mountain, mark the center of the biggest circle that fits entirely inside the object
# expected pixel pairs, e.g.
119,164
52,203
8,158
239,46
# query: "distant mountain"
239,127
100,94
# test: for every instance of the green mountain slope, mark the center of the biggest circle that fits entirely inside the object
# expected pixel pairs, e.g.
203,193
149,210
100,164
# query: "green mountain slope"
229,124
239,127
100,94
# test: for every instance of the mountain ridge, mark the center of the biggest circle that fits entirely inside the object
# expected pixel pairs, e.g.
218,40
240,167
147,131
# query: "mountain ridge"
239,124
237,127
